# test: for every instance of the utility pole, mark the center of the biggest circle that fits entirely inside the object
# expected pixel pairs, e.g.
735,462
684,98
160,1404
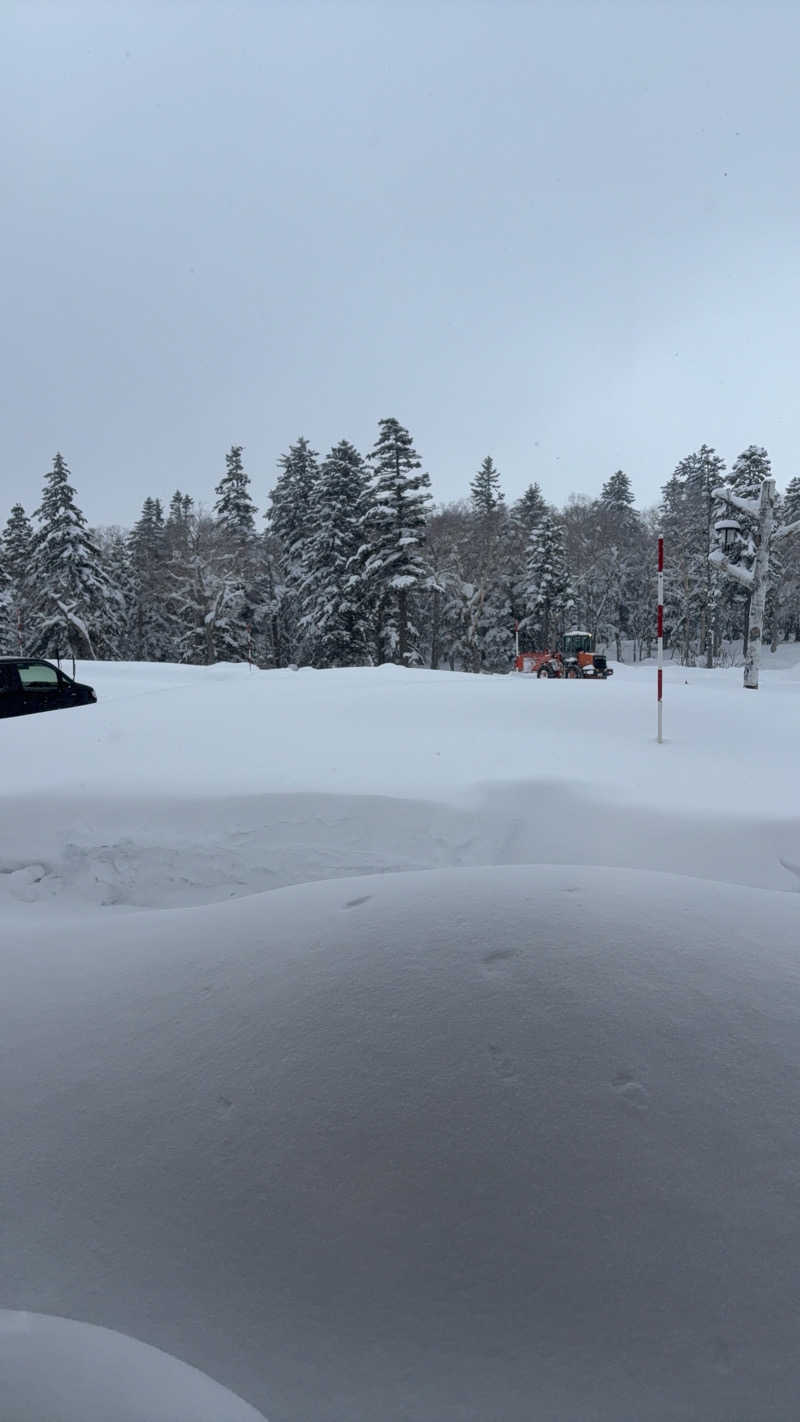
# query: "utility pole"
756,578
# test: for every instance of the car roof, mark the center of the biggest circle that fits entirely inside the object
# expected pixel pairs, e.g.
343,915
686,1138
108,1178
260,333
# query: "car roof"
22,661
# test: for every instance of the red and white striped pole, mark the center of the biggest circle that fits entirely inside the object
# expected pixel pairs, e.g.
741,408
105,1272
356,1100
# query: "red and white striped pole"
660,629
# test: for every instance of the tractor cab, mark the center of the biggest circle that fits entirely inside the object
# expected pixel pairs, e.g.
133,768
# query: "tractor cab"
579,658
577,642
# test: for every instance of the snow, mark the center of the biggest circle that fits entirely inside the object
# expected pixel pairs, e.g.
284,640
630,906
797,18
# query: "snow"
56,1370
498,1118
187,784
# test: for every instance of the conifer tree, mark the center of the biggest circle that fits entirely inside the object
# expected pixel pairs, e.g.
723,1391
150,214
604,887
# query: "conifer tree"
75,609
394,567
548,587
16,548
331,588
234,508
288,523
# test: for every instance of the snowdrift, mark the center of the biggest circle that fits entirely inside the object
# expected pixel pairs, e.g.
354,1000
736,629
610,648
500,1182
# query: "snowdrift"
56,1370
514,1143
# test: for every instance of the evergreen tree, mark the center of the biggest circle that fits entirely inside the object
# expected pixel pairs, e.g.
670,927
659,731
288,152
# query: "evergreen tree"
791,501
486,494
75,608
180,524
331,587
395,532
16,549
482,594
617,492
288,523
6,609
290,500
235,509
548,587
236,520
529,509
153,632
692,585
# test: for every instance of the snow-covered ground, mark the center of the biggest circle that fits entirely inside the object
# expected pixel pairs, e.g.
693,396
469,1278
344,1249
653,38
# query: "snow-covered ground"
186,785
512,1138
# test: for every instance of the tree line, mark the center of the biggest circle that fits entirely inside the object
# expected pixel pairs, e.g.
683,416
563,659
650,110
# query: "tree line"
354,565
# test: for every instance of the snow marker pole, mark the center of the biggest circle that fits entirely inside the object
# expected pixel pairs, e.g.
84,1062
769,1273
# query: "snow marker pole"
516,639
660,631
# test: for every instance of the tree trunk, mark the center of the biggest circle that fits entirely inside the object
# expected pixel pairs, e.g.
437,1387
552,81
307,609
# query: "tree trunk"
436,618
402,627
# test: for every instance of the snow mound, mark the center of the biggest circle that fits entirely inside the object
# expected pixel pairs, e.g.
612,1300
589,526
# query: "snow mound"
56,1370
517,1143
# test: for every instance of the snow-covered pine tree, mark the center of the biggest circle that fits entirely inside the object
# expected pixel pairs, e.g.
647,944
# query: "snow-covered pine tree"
789,608
205,598
16,548
791,500
180,524
529,509
288,523
548,586
334,624
486,495
154,633
486,615
617,493
235,510
692,585
116,562
6,614
623,548
236,527
75,609
394,529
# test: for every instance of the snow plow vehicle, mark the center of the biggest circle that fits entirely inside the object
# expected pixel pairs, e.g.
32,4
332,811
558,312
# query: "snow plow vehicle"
575,660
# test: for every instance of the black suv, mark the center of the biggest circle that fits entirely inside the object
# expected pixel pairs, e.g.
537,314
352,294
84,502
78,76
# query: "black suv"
28,684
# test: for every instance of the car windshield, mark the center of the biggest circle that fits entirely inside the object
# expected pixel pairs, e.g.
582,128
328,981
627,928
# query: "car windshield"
39,675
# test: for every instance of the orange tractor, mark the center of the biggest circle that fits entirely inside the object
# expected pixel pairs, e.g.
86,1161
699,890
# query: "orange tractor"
576,660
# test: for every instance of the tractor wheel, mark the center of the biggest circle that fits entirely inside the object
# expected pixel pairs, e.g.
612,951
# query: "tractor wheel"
542,672
573,674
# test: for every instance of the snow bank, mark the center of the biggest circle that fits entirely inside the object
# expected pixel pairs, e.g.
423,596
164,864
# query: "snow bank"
56,1370
520,1143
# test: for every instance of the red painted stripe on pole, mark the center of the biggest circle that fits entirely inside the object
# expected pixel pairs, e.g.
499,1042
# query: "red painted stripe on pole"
660,631
660,555
660,684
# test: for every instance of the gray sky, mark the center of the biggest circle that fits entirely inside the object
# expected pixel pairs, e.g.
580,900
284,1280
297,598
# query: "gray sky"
564,235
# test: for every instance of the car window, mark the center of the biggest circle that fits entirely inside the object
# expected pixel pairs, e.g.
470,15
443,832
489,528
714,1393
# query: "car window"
40,676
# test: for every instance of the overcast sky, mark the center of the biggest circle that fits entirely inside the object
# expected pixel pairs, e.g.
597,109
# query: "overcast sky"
566,235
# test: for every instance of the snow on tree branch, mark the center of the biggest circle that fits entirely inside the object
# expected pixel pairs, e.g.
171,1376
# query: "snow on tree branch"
734,570
745,506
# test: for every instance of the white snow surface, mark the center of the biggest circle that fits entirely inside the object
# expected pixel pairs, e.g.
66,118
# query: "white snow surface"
56,1370
487,1136
186,784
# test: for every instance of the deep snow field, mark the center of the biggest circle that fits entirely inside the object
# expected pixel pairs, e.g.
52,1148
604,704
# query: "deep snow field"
398,1046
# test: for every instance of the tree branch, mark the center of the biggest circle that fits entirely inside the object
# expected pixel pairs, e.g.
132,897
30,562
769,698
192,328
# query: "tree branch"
746,506
787,530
